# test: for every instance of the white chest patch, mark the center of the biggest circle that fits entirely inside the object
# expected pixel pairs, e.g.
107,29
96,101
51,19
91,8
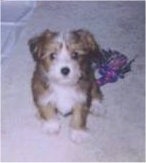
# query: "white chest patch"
64,98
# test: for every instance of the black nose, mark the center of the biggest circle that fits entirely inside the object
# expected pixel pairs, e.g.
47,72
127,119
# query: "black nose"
65,70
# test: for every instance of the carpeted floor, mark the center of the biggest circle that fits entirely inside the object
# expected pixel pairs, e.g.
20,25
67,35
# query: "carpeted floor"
117,136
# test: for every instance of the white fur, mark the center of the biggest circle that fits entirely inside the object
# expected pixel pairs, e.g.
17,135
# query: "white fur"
97,108
79,136
63,93
96,104
67,97
63,97
51,126
63,59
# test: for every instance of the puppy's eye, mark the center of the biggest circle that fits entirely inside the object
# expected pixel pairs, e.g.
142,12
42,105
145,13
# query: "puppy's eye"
75,55
52,56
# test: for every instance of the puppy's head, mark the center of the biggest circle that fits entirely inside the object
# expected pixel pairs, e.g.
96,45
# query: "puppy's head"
65,57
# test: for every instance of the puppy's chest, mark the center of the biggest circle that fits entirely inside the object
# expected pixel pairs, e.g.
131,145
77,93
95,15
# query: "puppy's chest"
65,98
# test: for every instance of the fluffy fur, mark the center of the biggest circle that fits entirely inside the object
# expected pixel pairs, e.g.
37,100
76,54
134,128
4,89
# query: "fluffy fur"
63,80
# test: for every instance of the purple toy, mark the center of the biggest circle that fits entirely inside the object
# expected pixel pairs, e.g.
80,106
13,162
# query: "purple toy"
113,66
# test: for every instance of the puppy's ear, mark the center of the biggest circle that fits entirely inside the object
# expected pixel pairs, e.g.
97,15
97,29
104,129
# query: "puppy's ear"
33,47
36,44
88,43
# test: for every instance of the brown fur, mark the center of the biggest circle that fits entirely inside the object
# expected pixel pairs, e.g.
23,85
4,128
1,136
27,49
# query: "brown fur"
79,116
80,41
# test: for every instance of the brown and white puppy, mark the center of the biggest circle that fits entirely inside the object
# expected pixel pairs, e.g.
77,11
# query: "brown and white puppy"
63,80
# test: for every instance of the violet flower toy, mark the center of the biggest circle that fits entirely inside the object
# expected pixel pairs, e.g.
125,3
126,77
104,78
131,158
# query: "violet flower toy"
113,66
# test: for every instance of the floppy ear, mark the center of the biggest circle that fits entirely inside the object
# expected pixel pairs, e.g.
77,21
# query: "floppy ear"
33,47
89,43
36,44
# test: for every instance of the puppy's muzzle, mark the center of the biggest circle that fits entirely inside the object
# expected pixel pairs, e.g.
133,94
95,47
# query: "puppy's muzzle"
65,71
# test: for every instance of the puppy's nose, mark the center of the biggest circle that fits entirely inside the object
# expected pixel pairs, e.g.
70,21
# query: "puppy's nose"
65,70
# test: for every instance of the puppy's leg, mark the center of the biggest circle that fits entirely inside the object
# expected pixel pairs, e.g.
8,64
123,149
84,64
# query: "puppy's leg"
96,92
96,102
78,123
51,123
47,112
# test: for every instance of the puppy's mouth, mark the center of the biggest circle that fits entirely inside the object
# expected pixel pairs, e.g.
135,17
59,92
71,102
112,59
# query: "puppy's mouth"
67,80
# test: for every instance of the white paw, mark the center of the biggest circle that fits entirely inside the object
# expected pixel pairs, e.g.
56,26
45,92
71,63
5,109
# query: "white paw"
52,126
97,108
79,136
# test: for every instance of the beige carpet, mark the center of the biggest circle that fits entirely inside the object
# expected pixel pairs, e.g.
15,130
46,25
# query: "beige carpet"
117,136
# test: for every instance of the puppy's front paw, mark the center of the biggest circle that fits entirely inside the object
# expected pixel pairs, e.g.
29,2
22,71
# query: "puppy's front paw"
79,136
97,108
51,126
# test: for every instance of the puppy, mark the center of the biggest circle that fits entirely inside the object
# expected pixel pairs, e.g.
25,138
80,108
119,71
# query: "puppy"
63,80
